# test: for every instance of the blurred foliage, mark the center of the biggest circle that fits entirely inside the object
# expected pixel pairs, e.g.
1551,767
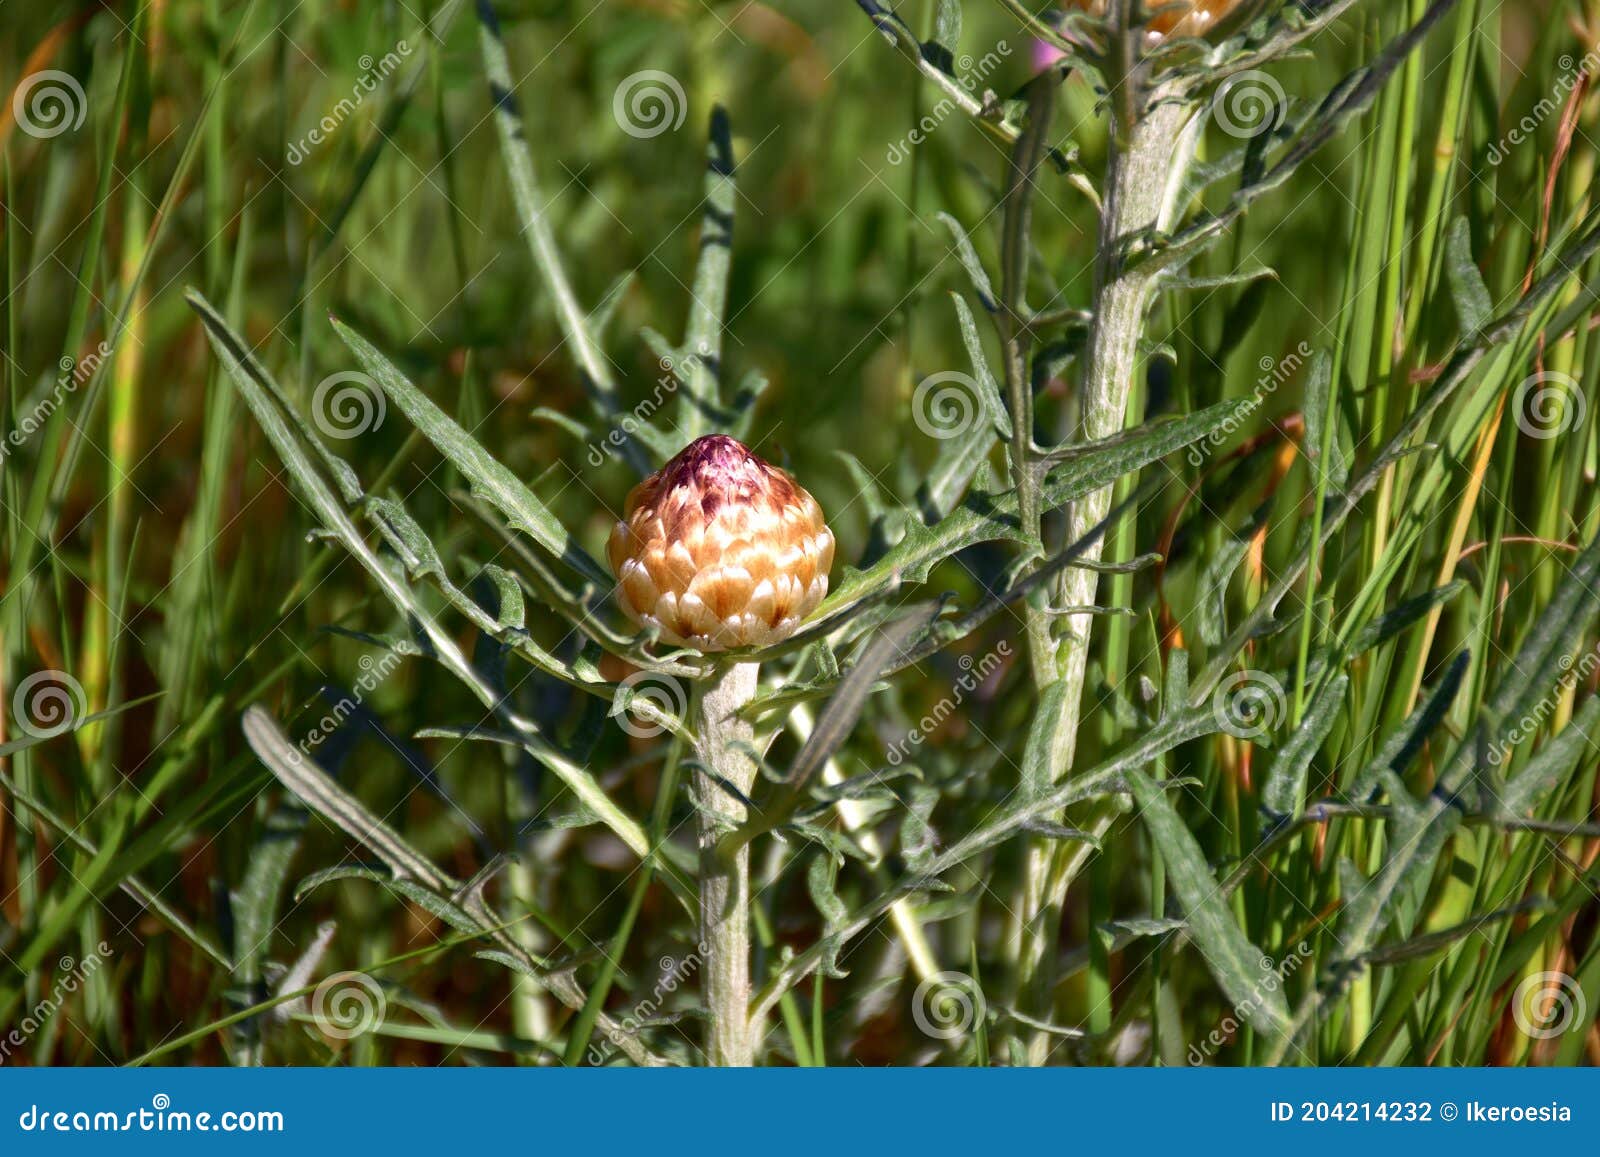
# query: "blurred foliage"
158,553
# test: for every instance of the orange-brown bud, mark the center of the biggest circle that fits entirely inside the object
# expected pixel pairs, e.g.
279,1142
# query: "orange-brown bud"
1194,18
719,550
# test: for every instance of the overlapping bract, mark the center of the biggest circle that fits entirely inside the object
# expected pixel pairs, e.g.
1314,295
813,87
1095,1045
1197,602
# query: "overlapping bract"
719,550
1195,18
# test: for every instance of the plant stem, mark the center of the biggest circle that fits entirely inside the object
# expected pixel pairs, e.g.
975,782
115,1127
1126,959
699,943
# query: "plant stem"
727,761
1140,176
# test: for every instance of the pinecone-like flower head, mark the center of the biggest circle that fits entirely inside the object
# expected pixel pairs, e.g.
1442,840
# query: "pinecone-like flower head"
1194,18
719,550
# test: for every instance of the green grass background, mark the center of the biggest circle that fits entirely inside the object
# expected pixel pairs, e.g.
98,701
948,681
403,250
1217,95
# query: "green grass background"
150,547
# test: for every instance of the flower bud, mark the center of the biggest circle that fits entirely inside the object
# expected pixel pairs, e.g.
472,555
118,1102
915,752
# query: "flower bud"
719,550
1190,18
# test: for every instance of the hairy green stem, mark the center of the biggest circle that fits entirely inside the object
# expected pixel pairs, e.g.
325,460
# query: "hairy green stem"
726,749
1139,173
1140,178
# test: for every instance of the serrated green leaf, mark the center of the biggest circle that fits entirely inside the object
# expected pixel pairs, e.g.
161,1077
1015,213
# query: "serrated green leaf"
1474,305
1283,794
986,517
946,42
700,408
532,206
1525,792
406,538
968,256
963,456
1234,962
1211,599
488,478
512,613
1036,770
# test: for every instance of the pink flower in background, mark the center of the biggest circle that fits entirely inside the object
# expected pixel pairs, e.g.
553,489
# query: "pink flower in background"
1045,54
